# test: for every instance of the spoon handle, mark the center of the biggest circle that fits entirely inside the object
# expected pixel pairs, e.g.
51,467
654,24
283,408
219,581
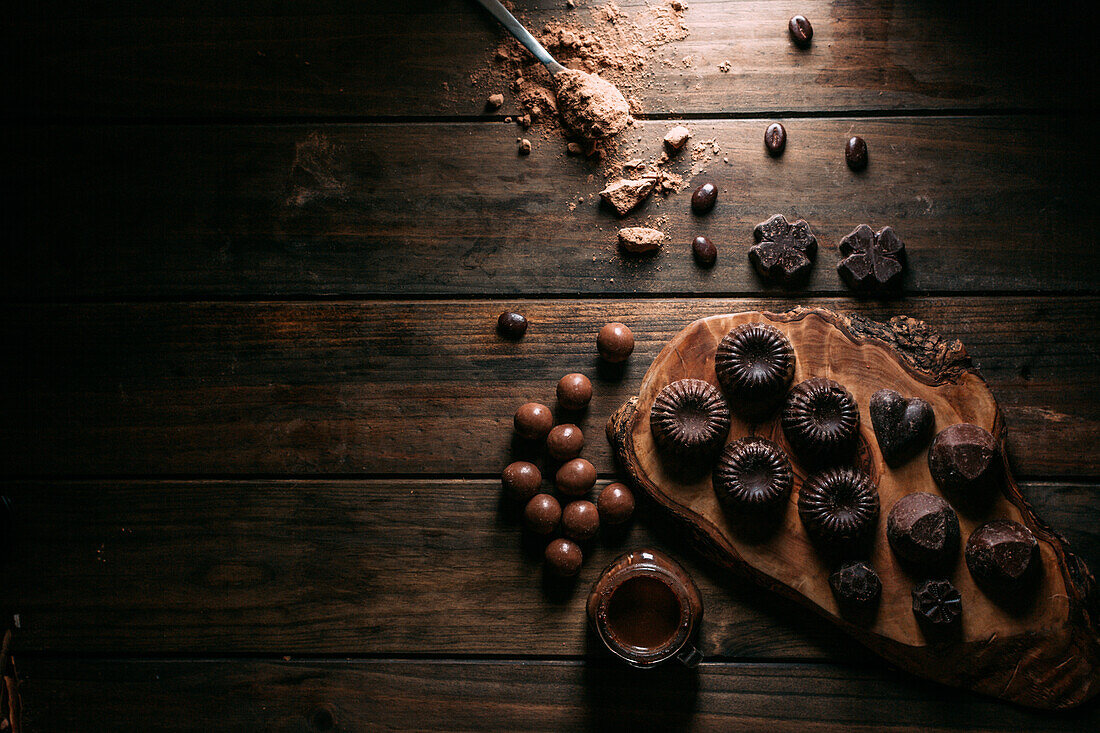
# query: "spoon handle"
516,29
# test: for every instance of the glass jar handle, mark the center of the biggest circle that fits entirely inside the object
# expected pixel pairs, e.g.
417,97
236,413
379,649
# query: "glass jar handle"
690,657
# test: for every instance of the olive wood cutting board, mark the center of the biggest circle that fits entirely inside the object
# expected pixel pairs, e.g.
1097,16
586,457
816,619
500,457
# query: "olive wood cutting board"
1044,654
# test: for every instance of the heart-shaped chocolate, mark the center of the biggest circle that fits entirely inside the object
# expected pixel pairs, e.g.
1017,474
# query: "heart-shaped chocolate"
901,425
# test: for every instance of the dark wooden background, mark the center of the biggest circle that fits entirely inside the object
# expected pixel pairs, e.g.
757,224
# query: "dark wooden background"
254,408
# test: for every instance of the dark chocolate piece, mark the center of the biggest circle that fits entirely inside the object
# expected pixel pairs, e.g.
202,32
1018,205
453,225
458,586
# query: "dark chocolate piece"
511,325
564,557
923,531
704,250
754,364
752,474
821,421
533,421
522,480
966,459
615,342
902,426
856,585
704,198
839,508
542,514
1002,555
801,31
855,153
580,520
575,477
615,504
937,602
565,442
775,139
574,391
874,261
784,253
690,418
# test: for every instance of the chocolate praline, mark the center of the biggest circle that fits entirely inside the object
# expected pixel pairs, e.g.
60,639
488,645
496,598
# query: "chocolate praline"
565,442
755,365
542,514
575,477
752,474
533,421
966,459
580,520
856,586
839,508
1002,555
937,602
564,557
821,421
690,418
615,503
574,391
923,530
521,479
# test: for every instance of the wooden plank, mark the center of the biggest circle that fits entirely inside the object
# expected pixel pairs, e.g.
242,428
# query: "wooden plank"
397,567
983,204
69,694
342,57
428,386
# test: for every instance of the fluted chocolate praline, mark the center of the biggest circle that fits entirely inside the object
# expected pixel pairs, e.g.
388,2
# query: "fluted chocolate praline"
755,365
690,418
821,421
839,508
752,475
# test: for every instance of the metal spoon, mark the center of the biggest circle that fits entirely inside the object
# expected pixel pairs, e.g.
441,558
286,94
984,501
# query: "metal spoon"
522,35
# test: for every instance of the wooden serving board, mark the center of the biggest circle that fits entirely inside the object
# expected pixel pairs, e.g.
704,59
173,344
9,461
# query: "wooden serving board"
1046,655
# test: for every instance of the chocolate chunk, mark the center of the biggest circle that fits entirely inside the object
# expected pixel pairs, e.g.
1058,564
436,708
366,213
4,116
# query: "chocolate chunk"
902,426
690,418
784,253
839,509
677,137
856,585
937,602
1002,555
923,531
855,153
624,195
704,198
775,139
704,250
801,31
966,459
873,261
638,240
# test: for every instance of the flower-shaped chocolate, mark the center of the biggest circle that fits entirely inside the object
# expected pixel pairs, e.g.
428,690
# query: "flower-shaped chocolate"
873,261
783,253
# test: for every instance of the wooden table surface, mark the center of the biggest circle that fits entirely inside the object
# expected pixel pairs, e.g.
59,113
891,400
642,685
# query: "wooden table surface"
255,409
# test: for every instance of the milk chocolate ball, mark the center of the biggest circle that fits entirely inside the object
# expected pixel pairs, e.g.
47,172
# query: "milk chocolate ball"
533,421
616,503
564,557
574,391
615,342
522,480
542,514
565,442
575,477
966,459
580,520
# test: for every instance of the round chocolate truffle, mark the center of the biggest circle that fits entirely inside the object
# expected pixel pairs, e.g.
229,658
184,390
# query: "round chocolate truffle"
856,585
1002,555
689,418
752,474
937,602
522,480
966,459
923,530
533,421
616,503
564,557
821,421
755,365
511,325
575,477
615,342
574,391
839,508
580,520
565,442
542,514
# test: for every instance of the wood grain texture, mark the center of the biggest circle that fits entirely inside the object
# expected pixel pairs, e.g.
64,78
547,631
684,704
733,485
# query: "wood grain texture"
1042,654
428,387
68,694
119,212
348,58
397,567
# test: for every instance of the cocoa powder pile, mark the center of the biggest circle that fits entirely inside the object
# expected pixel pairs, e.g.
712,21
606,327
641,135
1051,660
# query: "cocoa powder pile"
590,106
